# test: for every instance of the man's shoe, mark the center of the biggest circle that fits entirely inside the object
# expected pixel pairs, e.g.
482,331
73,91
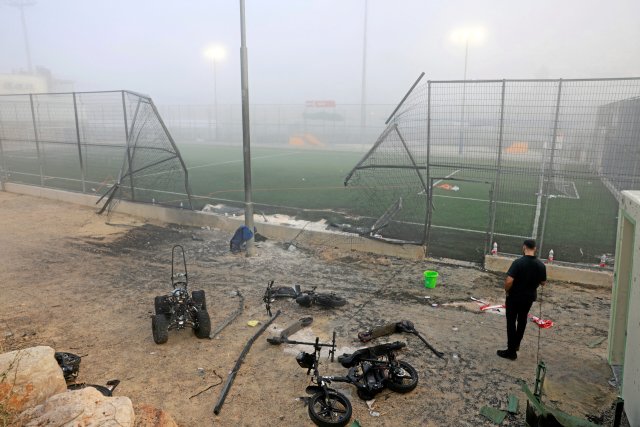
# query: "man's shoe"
507,354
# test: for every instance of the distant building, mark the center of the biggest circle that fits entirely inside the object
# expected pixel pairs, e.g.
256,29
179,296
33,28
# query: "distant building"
41,81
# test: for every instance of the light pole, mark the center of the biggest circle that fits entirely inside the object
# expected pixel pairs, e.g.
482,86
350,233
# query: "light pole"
363,93
246,140
215,54
460,36
21,4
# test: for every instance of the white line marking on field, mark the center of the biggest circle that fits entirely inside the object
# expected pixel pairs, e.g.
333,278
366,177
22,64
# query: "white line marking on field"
484,200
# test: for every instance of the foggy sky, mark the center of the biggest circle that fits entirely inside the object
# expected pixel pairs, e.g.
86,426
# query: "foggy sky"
312,49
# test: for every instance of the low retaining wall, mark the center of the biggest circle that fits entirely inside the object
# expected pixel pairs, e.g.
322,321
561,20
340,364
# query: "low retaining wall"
202,219
500,264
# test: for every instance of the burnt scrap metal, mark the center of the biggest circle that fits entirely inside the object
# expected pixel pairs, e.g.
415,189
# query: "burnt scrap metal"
393,327
236,367
226,322
283,338
539,414
153,170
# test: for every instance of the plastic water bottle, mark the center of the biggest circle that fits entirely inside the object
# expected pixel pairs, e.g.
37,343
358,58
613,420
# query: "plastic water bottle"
603,260
550,259
494,251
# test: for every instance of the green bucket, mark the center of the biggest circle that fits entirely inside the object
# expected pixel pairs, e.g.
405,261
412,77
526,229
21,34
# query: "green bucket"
430,279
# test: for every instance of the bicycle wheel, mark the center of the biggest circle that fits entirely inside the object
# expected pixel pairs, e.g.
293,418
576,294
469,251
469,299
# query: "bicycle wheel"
329,300
329,409
402,378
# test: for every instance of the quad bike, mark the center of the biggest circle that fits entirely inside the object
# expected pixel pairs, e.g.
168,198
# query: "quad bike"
304,298
370,370
179,309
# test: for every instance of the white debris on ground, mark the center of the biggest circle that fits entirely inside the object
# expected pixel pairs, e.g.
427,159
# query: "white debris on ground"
276,219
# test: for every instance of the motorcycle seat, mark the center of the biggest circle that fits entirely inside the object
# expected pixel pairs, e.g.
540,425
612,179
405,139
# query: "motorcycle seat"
349,360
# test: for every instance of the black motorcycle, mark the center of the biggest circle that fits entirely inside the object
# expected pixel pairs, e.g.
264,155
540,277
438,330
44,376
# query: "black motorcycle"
371,369
304,298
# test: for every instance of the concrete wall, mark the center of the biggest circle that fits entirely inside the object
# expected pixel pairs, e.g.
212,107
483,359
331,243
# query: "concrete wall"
201,219
500,264
624,327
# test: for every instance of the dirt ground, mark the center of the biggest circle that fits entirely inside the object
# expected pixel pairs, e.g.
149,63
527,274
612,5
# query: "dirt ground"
85,283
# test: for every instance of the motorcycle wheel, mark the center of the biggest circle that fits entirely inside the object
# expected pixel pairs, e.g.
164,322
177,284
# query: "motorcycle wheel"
402,382
330,300
330,409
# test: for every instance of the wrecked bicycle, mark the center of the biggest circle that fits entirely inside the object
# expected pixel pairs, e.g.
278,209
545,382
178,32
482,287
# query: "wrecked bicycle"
180,309
371,370
304,298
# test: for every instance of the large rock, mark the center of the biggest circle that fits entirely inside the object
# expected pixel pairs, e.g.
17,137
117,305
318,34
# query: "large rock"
81,408
28,377
150,416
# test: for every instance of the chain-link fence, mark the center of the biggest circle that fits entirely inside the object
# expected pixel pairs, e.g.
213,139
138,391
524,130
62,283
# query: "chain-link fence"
101,143
478,162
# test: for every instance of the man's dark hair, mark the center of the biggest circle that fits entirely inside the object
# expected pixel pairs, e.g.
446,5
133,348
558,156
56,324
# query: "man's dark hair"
530,243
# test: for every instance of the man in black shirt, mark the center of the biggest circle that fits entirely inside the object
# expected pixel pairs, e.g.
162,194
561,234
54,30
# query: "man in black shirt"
523,278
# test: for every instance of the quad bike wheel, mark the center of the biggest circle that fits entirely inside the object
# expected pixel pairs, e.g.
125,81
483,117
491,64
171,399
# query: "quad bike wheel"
162,305
203,324
199,299
160,328
332,409
330,300
402,379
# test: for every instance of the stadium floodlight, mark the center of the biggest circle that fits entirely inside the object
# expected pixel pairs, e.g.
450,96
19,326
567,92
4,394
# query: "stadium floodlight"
215,53
473,35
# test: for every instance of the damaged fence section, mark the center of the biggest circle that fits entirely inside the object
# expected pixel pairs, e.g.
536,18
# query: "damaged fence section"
464,164
112,144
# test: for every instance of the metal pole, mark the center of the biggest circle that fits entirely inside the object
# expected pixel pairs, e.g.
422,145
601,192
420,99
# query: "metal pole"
187,186
363,92
246,140
215,95
35,135
126,133
26,36
427,220
75,112
496,190
3,168
464,98
553,150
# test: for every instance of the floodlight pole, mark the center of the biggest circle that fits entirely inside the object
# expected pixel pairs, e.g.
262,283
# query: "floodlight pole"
464,97
363,92
21,4
215,94
246,140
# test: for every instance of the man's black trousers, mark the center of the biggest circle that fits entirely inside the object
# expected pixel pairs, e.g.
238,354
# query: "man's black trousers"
517,311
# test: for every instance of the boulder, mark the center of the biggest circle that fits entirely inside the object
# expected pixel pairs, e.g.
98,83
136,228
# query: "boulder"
28,377
80,408
150,416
